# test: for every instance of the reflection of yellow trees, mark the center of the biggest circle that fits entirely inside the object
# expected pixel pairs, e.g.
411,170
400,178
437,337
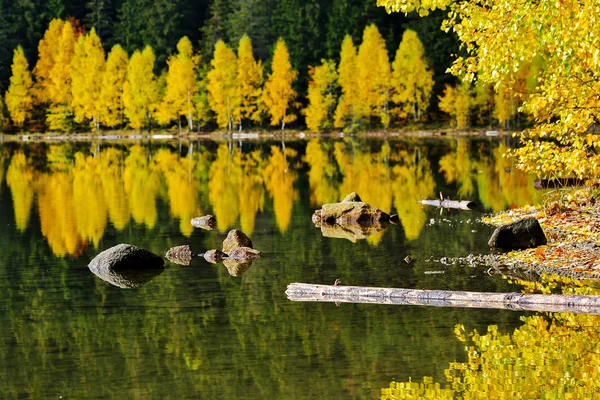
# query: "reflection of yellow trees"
550,356
88,198
279,181
19,178
57,219
114,188
320,174
236,188
141,185
414,181
499,183
182,188
459,167
366,173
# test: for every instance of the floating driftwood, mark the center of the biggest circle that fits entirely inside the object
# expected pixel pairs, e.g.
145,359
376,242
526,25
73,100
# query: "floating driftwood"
457,204
444,298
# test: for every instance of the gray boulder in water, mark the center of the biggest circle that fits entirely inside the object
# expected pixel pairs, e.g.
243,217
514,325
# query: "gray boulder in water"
126,265
523,234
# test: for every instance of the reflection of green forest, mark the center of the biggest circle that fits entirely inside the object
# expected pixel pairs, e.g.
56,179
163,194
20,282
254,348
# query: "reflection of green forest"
127,184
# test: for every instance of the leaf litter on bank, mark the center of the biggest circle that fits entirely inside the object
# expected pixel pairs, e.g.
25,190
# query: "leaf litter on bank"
572,227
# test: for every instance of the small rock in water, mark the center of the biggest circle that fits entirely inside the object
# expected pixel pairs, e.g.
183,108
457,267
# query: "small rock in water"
522,234
207,222
181,255
394,219
214,256
243,253
236,238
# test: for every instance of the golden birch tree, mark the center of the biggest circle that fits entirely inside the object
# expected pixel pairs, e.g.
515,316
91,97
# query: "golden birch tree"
344,113
500,36
278,91
321,96
373,76
249,83
181,85
140,92
59,84
412,77
222,91
46,59
113,83
87,69
19,97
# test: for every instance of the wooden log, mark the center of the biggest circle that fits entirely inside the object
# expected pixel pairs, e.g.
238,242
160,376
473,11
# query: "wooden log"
457,204
444,298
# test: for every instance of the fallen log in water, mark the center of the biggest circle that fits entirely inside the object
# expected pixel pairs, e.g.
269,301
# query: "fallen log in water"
444,298
457,204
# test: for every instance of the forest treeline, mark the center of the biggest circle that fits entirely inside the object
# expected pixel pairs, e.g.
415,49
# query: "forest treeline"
76,84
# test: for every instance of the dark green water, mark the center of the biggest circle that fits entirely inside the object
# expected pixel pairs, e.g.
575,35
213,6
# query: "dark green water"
199,332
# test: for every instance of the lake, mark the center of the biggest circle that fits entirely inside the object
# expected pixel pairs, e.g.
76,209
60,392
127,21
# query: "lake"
205,331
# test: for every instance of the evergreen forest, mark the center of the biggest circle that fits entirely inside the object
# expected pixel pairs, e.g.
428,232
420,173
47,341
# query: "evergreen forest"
76,66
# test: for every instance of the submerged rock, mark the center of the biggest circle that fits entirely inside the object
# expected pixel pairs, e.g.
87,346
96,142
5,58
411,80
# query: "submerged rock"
126,266
181,255
207,222
522,234
236,238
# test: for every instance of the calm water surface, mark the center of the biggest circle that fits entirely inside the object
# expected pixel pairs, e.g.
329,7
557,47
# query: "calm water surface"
209,331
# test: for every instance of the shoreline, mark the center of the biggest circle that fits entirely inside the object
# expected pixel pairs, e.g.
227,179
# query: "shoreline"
247,135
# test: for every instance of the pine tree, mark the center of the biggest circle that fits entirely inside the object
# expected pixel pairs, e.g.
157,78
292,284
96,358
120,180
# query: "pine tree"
140,90
373,77
19,99
100,17
278,91
222,78
3,122
46,59
321,96
113,82
249,82
59,88
181,85
412,77
344,113
87,68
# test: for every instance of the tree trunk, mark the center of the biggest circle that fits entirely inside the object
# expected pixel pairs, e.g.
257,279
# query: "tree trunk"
445,298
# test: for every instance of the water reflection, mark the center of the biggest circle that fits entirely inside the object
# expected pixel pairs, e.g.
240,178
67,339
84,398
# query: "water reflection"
549,356
78,190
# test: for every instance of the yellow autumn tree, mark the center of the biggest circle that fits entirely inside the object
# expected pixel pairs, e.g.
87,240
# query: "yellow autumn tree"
140,91
222,92
113,87
373,76
182,85
457,103
412,77
321,96
278,91
500,37
59,83
279,180
344,113
19,98
87,70
46,59
249,83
